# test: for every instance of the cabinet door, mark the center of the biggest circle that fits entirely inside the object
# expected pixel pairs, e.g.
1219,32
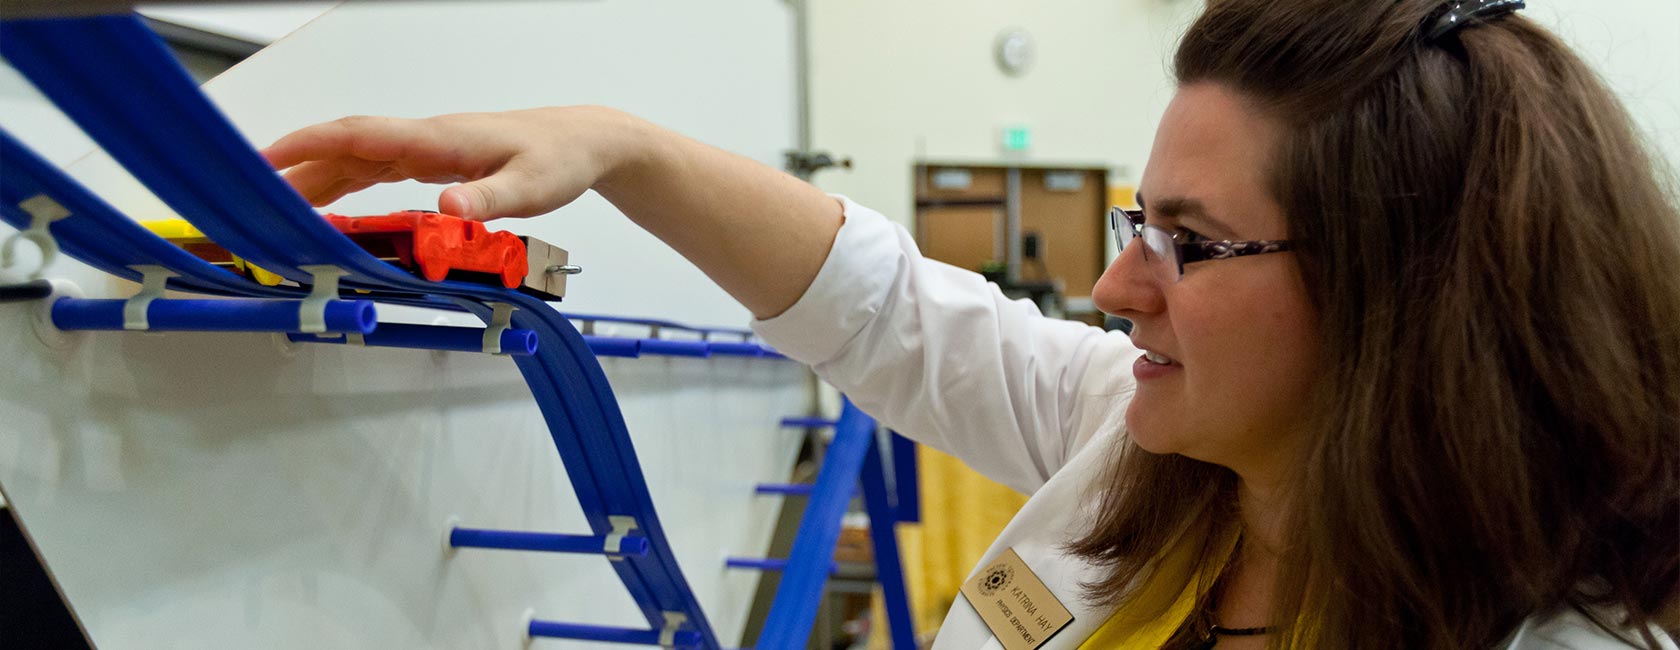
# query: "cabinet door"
957,222
1066,209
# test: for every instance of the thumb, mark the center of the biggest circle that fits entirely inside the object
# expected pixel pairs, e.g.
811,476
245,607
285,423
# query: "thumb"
504,194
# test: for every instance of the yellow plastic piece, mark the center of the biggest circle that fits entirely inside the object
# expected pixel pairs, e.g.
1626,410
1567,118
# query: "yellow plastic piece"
261,275
181,232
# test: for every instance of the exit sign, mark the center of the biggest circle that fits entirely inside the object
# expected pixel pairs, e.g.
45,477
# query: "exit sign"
1016,138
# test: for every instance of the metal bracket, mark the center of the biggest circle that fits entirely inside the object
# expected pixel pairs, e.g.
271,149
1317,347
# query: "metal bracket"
43,210
153,280
673,622
621,526
549,267
312,312
501,314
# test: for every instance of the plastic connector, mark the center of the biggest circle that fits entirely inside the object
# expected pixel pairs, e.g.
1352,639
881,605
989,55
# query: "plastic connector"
312,312
153,280
42,210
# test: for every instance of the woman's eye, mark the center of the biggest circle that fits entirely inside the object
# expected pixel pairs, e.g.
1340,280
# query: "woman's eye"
1188,236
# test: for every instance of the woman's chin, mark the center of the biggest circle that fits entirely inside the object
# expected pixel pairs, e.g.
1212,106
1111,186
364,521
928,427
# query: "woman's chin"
1147,431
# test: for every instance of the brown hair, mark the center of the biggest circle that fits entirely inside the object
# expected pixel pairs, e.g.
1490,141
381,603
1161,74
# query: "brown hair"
1496,269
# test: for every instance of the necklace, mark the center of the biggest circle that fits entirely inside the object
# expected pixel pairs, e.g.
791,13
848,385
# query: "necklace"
1210,638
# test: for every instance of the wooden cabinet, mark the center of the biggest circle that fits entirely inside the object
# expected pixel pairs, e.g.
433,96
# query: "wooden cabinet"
1043,229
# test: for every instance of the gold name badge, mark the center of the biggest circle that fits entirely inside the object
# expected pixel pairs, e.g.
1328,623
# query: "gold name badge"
1017,607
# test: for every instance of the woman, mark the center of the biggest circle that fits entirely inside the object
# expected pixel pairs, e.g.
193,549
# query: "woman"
1405,370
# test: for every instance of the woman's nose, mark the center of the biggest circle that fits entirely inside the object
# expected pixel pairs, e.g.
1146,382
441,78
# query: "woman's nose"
1127,287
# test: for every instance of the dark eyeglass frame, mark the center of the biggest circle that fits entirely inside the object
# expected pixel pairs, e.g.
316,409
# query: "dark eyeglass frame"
1184,252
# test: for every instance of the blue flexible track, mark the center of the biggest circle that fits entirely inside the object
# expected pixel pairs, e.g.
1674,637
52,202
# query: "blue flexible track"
104,238
883,533
794,610
116,80
907,500
662,324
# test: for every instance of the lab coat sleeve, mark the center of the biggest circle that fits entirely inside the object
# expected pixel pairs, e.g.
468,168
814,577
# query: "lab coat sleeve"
940,355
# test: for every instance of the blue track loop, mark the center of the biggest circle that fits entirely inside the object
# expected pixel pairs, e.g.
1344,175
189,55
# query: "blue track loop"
116,80
104,238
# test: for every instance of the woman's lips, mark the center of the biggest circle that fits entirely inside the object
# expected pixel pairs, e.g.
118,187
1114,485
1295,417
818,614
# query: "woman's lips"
1154,365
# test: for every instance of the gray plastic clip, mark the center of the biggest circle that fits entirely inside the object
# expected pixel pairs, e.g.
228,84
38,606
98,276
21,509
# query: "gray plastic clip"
501,314
312,312
673,622
621,526
153,279
43,210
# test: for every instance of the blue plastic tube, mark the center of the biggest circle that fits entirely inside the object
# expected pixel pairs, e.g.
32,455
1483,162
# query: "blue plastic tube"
550,542
662,324
761,564
767,564
608,346
789,489
433,337
736,349
167,315
672,348
553,630
806,423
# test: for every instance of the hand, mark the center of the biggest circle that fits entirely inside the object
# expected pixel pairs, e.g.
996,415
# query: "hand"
513,164
761,234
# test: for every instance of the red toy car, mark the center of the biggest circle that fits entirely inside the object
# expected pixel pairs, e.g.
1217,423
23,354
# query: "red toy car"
438,243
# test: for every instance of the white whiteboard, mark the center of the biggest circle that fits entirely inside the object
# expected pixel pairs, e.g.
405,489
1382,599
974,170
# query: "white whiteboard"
225,490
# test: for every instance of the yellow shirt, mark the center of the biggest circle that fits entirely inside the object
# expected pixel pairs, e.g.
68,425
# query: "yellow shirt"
1123,633
1149,619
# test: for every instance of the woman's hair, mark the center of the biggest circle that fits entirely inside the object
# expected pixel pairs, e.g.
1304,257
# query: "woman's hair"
1495,263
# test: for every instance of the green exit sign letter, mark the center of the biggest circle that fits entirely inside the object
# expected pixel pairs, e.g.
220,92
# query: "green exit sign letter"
1016,138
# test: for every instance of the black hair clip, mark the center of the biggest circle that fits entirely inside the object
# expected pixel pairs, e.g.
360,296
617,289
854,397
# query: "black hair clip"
1466,12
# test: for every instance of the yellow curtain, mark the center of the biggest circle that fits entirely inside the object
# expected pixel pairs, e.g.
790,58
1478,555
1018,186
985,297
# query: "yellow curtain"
962,512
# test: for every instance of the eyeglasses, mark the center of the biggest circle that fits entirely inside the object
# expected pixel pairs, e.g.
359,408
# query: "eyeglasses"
1167,256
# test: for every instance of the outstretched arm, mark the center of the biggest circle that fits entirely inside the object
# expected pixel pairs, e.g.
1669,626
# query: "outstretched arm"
759,233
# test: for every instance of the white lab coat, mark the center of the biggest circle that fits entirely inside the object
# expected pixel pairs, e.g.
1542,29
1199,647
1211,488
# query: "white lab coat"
938,354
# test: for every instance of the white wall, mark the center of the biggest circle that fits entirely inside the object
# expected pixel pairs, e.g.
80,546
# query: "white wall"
893,82
896,81
1635,45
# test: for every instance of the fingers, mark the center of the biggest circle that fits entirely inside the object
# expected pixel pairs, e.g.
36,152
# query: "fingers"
369,138
317,180
327,161
342,187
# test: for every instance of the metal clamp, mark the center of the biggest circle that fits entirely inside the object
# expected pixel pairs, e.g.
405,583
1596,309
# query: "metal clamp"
312,313
501,314
43,210
673,622
621,526
153,280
